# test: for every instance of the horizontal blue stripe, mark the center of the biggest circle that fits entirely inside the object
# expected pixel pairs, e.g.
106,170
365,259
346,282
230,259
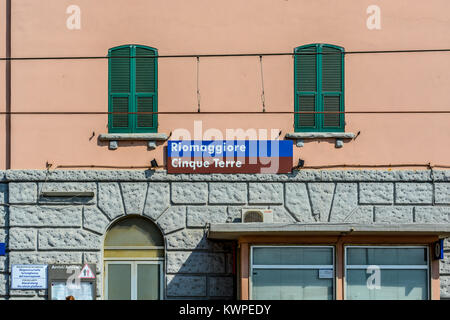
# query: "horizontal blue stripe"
230,148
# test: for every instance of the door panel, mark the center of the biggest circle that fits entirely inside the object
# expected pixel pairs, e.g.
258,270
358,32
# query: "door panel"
148,281
119,281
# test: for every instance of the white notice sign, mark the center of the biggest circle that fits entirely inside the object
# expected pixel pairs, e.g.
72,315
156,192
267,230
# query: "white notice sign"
29,276
325,273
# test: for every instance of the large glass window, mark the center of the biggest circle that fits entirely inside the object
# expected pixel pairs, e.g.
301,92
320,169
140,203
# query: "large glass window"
292,273
386,273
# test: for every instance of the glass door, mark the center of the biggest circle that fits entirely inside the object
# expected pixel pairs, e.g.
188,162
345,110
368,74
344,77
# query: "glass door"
133,280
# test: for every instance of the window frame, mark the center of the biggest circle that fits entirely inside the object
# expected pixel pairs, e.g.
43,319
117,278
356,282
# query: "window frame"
284,266
391,267
319,93
134,263
132,95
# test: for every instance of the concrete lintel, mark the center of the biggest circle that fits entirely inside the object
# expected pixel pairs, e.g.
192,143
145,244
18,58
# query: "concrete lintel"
231,231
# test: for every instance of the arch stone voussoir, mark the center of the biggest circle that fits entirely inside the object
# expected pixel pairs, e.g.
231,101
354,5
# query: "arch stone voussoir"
110,199
94,220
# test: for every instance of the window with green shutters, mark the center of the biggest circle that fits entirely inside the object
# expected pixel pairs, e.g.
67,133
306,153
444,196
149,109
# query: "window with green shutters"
319,87
133,87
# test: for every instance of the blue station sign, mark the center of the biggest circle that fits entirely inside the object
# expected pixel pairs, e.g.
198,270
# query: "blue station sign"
229,156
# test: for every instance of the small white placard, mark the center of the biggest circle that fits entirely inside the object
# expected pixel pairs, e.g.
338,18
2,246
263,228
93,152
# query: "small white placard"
29,276
325,274
82,291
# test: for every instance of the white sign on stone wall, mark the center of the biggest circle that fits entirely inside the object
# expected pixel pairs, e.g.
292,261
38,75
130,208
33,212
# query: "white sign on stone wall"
29,276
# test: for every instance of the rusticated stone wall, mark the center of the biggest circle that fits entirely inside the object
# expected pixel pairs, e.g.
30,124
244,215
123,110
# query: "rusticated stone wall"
71,230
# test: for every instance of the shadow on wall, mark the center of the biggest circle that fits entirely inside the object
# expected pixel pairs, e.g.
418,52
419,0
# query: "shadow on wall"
206,272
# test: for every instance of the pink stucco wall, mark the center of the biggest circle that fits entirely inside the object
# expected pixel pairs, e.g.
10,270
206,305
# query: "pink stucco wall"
2,81
411,81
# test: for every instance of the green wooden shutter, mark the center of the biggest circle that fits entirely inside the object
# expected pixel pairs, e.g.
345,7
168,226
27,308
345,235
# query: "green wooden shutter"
120,96
332,87
319,86
146,90
306,88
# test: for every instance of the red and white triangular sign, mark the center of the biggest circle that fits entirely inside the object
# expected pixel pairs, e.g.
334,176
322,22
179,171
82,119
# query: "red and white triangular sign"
86,273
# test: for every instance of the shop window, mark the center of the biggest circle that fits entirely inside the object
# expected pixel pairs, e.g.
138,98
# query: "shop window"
387,273
319,87
133,88
134,256
292,273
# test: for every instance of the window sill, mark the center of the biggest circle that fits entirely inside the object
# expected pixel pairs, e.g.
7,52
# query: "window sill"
339,136
113,138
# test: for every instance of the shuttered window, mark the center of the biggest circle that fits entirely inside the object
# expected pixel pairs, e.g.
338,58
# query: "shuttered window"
133,88
319,87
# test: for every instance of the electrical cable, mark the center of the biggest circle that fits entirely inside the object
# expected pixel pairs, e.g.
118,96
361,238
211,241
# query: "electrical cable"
227,55
223,112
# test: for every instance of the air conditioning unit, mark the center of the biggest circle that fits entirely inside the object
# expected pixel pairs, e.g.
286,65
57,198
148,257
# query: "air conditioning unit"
257,215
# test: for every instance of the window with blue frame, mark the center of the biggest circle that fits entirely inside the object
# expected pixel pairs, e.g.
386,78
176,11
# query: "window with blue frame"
319,87
133,88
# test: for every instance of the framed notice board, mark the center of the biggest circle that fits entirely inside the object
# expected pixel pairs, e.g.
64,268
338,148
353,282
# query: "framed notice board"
77,281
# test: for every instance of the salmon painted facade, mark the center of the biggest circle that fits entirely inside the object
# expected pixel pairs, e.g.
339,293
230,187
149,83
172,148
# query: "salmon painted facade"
214,150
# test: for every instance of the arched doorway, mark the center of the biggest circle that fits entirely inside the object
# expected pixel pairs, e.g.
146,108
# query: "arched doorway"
133,260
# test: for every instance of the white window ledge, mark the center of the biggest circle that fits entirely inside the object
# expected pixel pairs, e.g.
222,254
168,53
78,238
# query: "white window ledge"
339,136
113,138
319,135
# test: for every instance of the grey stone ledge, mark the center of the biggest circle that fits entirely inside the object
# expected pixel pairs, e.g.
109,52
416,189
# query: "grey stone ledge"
236,230
305,175
320,135
133,136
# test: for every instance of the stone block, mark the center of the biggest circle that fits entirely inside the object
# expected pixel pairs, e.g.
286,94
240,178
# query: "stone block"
3,264
444,264
49,216
186,286
376,193
281,215
227,193
173,219
442,193
3,193
189,192
321,195
58,257
345,202
22,239
190,239
195,262
432,214
393,214
3,284
265,193
68,239
94,219
199,216
4,216
220,286
297,202
134,196
110,199
158,199
413,193
445,286
22,192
